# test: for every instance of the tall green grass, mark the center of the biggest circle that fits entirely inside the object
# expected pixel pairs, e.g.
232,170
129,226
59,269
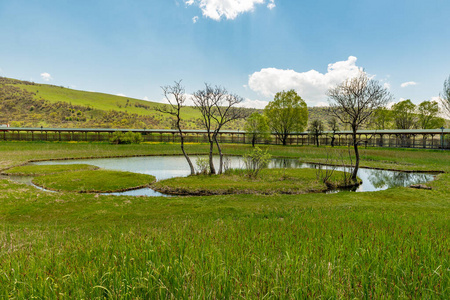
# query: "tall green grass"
388,244
219,248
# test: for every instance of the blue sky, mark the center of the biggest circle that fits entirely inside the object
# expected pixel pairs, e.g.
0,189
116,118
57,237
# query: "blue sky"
252,47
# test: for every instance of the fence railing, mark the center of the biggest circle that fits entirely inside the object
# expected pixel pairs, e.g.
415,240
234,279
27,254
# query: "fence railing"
425,139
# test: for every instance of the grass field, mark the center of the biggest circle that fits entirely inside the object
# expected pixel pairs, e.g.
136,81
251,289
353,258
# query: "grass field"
388,244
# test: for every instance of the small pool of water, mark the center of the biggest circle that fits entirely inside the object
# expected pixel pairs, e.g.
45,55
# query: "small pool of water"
163,167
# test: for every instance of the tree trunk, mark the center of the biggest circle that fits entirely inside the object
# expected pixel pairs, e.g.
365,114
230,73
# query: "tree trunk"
253,141
332,141
317,140
212,170
284,140
355,146
191,166
220,156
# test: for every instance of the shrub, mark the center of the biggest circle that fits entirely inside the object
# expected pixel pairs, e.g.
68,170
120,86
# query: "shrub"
126,138
255,161
202,165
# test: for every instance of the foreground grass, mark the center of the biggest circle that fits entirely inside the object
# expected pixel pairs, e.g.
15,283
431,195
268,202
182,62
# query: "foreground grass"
34,170
99,181
389,244
269,181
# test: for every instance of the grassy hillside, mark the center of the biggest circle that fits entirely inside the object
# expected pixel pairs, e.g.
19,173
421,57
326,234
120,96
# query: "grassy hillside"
27,104
99,101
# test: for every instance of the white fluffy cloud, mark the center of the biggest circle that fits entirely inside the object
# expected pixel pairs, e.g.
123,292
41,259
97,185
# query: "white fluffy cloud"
249,103
311,85
229,9
46,76
195,19
405,84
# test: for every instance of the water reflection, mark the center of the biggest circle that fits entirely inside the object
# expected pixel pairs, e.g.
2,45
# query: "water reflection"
163,167
382,179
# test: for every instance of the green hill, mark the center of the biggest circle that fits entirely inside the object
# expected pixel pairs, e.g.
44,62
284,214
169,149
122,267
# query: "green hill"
28,104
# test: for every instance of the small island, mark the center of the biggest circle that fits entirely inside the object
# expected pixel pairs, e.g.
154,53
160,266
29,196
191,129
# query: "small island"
92,181
268,182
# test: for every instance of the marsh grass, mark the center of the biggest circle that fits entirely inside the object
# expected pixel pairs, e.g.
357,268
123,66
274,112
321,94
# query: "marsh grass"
238,181
387,244
242,246
35,170
98,181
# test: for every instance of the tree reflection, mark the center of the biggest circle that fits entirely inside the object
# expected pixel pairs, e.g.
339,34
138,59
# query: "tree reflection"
388,179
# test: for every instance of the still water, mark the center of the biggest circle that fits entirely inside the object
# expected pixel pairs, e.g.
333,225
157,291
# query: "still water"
163,167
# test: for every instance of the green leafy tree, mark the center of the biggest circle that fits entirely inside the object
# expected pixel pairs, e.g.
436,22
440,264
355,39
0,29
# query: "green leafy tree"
404,115
382,118
353,102
256,127
428,115
287,113
316,129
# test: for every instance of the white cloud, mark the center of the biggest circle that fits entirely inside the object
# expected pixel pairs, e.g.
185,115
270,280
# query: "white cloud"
440,101
229,9
145,98
46,76
387,85
121,95
195,19
248,103
405,84
311,85
322,104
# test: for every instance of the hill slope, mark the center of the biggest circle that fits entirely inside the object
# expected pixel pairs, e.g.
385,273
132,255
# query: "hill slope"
28,104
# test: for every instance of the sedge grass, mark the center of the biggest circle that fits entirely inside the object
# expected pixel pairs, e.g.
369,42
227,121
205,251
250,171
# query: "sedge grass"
386,245
98,181
35,170
249,246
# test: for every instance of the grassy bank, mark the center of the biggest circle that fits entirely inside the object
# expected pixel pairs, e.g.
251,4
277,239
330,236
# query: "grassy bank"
268,182
388,244
33,170
98,181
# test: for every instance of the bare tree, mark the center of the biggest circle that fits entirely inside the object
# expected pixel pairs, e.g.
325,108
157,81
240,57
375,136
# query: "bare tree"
225,111
446,96
354,101
316,129
217,108
334,126
176,96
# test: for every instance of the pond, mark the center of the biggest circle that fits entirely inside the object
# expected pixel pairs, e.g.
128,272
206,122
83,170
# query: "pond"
163,167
